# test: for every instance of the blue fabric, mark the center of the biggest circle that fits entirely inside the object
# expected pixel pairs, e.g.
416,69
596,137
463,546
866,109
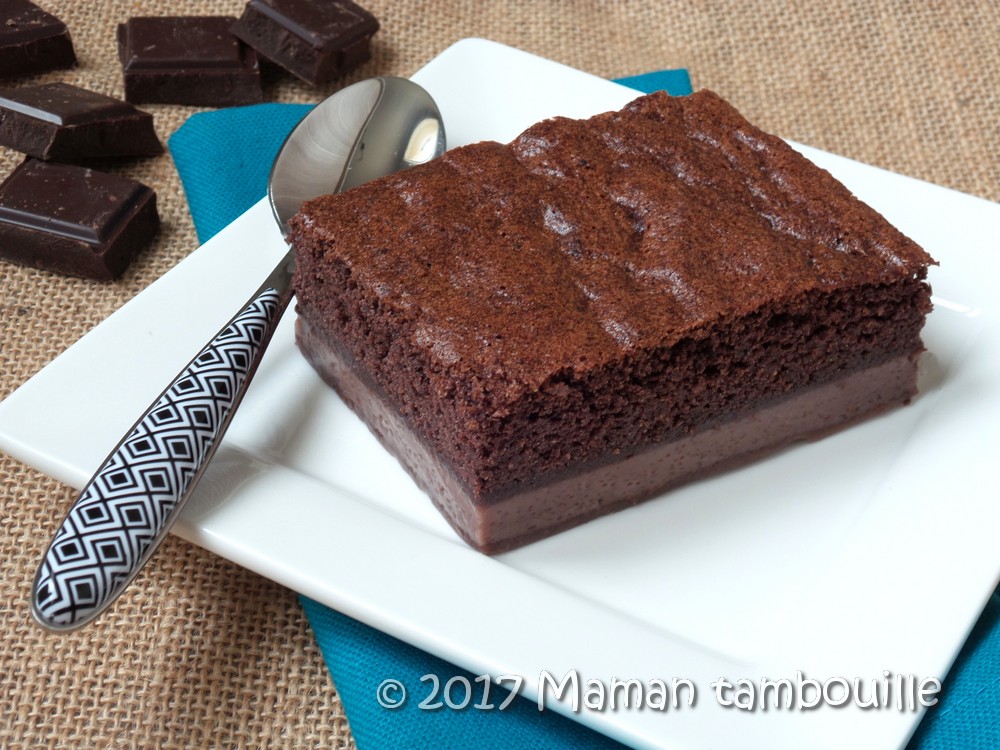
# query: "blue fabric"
968,715
360,658
675,82
223,158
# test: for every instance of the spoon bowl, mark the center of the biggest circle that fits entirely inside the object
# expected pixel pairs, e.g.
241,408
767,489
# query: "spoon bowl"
371,129
367,130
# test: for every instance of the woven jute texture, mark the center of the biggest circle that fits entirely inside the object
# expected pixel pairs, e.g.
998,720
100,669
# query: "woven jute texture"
201,653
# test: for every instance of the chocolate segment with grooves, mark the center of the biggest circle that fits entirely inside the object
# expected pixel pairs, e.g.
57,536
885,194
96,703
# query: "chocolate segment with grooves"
314,40
68,123
74,220
32,40
190,60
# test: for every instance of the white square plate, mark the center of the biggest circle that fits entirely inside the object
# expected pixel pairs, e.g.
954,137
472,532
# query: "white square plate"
871,550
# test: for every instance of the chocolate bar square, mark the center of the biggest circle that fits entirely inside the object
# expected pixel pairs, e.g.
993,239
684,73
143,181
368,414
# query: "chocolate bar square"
32,40
187,60
314,40
68,123
74,220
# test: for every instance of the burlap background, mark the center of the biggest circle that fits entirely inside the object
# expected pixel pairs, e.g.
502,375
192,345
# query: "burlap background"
202,653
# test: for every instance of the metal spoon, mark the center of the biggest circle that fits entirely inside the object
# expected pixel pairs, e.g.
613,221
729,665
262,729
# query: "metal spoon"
372,128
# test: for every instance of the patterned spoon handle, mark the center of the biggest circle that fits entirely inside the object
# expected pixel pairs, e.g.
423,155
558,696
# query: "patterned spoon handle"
127,508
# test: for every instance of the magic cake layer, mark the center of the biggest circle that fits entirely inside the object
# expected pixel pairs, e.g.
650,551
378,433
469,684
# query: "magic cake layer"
600,288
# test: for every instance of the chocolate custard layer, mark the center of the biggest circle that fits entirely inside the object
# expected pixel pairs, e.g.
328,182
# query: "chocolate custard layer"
599,289
603,487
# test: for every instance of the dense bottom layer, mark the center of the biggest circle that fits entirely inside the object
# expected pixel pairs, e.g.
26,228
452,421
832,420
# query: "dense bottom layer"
542,511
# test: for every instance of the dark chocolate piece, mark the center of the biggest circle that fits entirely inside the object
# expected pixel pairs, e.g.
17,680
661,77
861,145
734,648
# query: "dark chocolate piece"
187,60
31,40
67,123
316,40
74,220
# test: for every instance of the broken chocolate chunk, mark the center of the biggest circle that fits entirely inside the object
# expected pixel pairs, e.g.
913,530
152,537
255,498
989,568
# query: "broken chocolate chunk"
187,60
68,123
74,220
314,40
32,40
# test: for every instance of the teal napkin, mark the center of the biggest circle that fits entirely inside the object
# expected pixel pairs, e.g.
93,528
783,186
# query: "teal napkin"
223,158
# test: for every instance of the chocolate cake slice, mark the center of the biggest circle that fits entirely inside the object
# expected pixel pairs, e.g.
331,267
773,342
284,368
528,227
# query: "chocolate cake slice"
547,331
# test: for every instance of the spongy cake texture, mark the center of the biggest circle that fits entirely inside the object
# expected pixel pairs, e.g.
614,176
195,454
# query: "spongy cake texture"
600,286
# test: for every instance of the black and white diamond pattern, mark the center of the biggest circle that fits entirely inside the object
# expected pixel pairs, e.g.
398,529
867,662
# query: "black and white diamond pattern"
131,501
